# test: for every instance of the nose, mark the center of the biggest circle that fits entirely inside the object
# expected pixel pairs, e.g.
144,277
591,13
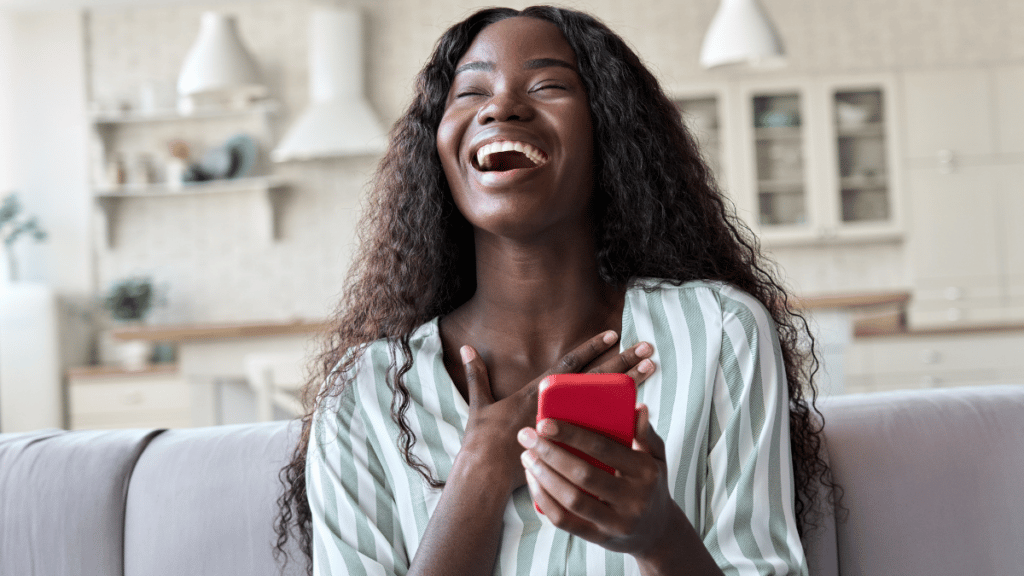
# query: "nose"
504,107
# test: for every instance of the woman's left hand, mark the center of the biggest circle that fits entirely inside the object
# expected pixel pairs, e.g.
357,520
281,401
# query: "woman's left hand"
633,511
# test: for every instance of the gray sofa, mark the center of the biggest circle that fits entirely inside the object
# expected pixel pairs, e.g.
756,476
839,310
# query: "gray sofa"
933,481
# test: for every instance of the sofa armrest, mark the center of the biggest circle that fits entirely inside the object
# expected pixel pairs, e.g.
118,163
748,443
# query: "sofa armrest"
931,480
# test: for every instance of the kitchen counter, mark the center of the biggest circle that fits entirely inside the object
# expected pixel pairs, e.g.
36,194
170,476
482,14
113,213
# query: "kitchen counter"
199,332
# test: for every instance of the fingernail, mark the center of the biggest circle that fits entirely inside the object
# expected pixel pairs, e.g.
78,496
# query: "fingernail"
644,349
527,437
531,481
529,462
467,354
547,427
645,367
610,337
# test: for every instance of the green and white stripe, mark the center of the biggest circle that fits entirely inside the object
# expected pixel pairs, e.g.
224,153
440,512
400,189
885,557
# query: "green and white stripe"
718,399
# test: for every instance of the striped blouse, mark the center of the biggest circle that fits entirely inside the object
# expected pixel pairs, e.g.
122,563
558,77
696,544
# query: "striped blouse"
718,399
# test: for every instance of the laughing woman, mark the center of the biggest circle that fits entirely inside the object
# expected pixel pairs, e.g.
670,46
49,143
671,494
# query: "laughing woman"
541,209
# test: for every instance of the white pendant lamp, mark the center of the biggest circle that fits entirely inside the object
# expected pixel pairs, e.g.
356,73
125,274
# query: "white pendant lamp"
339,120
741,33
218,63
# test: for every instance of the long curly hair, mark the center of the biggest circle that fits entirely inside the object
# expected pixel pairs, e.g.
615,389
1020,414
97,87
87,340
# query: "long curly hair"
658,213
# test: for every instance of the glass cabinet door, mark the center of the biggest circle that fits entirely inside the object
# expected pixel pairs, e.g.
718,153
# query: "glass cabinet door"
861,147
779,158
701,115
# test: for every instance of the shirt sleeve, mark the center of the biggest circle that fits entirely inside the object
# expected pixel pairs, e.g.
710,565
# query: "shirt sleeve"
355,526
750,520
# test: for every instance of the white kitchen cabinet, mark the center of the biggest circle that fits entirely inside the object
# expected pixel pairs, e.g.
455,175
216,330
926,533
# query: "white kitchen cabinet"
706,113
954,247
965,150
948,115
1009,97
805,160
106,398
935,360
1011,228
822,155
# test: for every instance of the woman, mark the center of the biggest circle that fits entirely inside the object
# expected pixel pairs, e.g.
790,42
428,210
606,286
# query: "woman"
539,203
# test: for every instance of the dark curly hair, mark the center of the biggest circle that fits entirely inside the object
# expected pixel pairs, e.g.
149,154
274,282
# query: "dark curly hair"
658,213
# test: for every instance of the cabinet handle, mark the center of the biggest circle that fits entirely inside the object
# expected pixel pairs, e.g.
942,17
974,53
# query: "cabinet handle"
132,398
947,161
953,293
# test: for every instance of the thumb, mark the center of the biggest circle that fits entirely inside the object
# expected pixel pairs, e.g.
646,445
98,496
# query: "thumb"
645,439
477,382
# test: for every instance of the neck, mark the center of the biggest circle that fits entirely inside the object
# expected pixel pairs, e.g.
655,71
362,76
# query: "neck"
539,299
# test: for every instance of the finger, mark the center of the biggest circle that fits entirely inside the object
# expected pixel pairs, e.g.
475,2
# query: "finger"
645,439
554,447
641,371
477,382
626,359
560,515
585,353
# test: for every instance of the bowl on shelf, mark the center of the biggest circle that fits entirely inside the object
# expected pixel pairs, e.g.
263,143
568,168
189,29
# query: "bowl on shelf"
851,115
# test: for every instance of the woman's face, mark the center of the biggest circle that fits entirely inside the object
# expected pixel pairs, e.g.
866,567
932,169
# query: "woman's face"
516,139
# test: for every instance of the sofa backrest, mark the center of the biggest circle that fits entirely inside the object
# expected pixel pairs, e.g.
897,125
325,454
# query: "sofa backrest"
931,485
933,481
203,501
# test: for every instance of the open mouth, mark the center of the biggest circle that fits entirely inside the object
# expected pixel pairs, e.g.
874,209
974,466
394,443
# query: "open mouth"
508,155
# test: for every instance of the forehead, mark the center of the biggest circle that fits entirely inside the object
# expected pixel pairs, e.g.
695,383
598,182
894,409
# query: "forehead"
519,39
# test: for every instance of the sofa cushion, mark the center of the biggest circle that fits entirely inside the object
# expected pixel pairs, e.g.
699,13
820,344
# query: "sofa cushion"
203,501
931,480
63,500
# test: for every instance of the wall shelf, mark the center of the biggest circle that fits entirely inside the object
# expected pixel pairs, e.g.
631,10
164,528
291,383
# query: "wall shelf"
265,192
115,118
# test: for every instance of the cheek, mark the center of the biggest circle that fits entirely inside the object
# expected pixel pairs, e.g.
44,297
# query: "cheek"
448,142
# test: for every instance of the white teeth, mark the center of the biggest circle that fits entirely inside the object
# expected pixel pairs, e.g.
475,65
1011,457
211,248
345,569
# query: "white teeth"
484,153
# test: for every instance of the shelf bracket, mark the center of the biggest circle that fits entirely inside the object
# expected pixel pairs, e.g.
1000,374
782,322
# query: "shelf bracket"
108,211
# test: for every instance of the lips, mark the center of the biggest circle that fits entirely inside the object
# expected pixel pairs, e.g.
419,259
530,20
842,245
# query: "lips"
501,155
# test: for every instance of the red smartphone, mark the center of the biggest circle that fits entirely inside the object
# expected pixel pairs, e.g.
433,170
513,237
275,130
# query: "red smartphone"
604,403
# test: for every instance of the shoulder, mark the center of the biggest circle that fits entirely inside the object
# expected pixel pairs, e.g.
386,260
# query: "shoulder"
371,365
717,302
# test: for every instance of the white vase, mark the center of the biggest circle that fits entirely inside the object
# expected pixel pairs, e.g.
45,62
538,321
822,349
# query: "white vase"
134,355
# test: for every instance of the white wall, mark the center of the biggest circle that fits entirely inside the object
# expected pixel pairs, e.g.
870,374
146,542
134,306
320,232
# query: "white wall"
43,137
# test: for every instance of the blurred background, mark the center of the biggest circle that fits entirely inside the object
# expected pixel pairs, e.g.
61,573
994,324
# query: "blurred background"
181,187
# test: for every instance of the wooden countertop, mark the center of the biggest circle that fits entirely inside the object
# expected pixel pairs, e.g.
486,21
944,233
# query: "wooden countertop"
85,372
853,300
197,332
200,332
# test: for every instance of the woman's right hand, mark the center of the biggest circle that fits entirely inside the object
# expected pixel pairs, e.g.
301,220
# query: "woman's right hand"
490,439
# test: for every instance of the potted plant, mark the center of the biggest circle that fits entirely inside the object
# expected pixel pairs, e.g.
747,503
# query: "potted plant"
15,225
129,301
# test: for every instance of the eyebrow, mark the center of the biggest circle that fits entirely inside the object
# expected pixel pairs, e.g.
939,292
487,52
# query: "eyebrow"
530,65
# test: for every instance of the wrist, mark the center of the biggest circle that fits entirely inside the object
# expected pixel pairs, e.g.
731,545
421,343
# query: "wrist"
677,545
476,466
664,547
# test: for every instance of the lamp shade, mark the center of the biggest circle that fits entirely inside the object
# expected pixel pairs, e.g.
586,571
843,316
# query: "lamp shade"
218,61
741,33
